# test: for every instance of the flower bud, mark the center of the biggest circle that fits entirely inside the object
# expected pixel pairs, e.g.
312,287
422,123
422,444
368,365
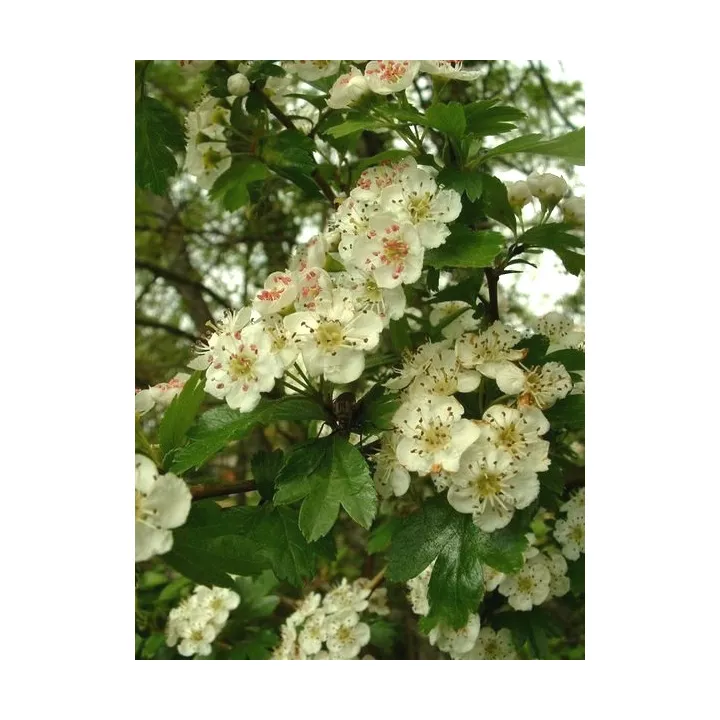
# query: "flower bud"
547,188
518,194
574,210
238,85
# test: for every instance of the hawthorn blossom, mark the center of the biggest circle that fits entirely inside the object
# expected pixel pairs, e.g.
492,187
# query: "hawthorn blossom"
560,330
313,633
162,502
434,435
530,586
310,70
310,255
541,386
490,351
414,365
570,533
243,366
207,161
464,322
519,195
390,477
231,323
492,578
334,337
374,179
280,343
348,89
387,303
453,641
390,76
491,645
278,293
346,635
207,121
310,284
417,199
346,597
391,251
547,188
557,565
450,69
443,375
220,601
238,85
306,608
161,394
575,505
491,485
574,210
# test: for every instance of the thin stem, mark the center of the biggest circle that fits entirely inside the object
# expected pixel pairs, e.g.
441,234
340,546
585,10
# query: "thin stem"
200,492
377,579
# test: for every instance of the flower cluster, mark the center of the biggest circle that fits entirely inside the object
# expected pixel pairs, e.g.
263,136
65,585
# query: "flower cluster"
549,189
570,531
160,395
162,502
330,627
207,155
198,620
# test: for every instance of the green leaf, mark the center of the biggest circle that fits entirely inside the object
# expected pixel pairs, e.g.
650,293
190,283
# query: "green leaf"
230,189
383,635
503,549
216,79
469,182
551,236
570,147
449,119
291,150
400,335
341,478
466,248
351,126
263,69
571,359
258,646
265,469
495,201
158,133
518,144
553,478
574,262
487,118
219,426
380,537
180,414
567,413
576,573
537,346
293,481
386,156
152,645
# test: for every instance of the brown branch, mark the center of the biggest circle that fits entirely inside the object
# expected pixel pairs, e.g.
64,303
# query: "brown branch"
549,95
200,492
145,322
492,281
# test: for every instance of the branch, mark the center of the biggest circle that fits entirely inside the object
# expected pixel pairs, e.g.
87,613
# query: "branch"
200,492
550,96
144,322
492,281
175,278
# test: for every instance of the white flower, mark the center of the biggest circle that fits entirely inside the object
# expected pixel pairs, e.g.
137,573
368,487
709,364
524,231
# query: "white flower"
574,210
313,633
531,586
209,118
220,601
414,365
346,597
541,386
491,645
377,600
575,505
560,331
391,251
277,87
346,635
451,69
334,337
347,90
518,432
443,375
238,85
557,565
570,533
230,324
490,485
278,293
456,642
435,436
306,608
519,195
547,188
390,477
310,283
390,76
418,591
207,161
313,69
162,502
280,343
461,324
374,179
387,303
310,255
417,199
243,366
492,578
491,350
161,394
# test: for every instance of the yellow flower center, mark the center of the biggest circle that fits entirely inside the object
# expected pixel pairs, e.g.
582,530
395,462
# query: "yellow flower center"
240,366
436,438
329,335
488,484
419,207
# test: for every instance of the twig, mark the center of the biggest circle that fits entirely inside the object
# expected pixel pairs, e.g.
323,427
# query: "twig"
550,96
200,492
144,322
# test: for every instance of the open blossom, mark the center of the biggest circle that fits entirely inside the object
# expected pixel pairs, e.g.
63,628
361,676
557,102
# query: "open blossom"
530,586
374,179
310,255
490,484
279,292
161,394
280,343
313,69
310,284
547,188
492,578
575,505
346,635
416,198
387,303
390,76
560,330
230,324
414,365
390,477
456,642
207,161
491,645
451,69
490,351
443,375
348,89
434,434
518,431
162,502
574,210
541,386
557,565
313,633
242,367
391,251
570,533
346,596
334,337
464,322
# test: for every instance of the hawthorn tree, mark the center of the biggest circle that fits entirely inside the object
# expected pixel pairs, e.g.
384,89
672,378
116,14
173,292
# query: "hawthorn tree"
343,449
